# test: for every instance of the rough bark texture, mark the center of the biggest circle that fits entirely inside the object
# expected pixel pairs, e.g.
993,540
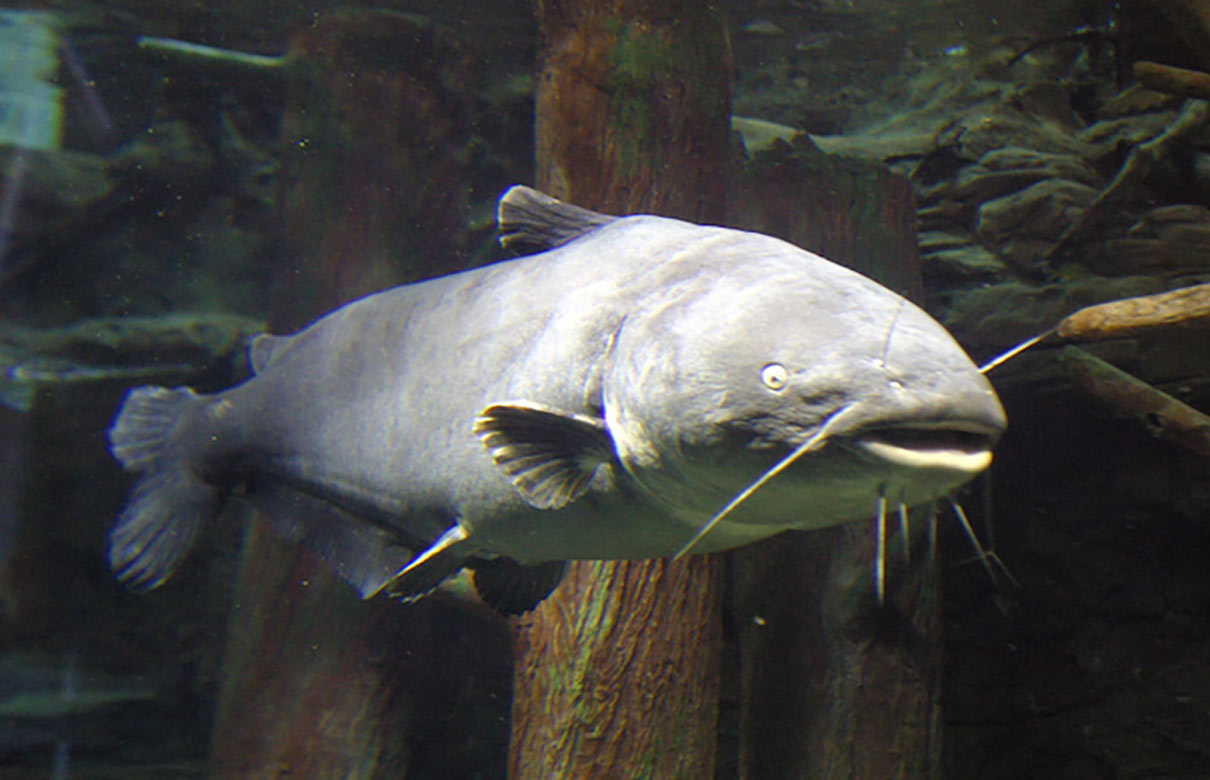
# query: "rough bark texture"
634,105
833,686
617,672
318,683
1127,396
1187,307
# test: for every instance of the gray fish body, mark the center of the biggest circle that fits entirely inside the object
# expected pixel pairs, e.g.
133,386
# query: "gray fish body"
602,399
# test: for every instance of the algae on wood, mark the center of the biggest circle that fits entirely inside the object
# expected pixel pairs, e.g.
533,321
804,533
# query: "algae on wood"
617,673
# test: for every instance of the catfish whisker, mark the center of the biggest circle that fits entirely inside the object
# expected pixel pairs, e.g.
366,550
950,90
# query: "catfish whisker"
984,556
1017,350
980,553
905,528
880,550
816,441
932,536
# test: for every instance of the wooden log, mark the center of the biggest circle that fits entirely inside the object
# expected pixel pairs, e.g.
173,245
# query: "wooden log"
1165,417
1172,80
1187,307
849,211
626,656
831,685
633,108
617,672
318,683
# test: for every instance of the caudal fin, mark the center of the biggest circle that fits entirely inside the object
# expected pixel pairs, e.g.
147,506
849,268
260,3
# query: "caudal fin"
169,503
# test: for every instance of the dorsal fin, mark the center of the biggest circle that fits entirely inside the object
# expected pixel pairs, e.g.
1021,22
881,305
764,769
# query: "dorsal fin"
533,221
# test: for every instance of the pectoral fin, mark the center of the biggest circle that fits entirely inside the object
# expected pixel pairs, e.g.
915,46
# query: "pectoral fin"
551,456
432,567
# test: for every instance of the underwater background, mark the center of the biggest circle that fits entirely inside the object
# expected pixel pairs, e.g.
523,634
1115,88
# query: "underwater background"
161,202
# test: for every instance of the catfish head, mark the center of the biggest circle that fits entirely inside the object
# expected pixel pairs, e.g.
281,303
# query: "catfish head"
774,368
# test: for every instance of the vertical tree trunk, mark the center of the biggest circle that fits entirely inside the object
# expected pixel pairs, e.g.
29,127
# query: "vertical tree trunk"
832,686
372,186
617,672
634,106
318,683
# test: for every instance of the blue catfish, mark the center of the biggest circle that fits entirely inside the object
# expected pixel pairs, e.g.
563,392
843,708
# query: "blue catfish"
640,387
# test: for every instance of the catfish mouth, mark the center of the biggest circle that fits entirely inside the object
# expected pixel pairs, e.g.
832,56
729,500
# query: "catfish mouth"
950,446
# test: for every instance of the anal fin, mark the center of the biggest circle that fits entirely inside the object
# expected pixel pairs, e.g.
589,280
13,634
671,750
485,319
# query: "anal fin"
360,553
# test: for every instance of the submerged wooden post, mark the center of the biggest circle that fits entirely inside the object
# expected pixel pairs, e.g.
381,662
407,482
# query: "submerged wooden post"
372,188
833,686
316,682
617,672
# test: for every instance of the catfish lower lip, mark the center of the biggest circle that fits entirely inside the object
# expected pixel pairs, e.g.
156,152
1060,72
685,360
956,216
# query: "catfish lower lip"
959,451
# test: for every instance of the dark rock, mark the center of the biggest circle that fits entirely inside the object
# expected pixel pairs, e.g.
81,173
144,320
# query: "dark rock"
1123,256
1169,238
1154,222
122,341
1185,246
946,215
759,134
938,240
1003,171
169,151
1137,99
1028,222
54,186
1003,125
1105,141
961,264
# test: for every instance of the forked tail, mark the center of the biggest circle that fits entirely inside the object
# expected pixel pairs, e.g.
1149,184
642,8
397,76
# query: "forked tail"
170,503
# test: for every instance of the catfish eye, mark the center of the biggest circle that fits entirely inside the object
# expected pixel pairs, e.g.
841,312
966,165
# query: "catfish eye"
774,376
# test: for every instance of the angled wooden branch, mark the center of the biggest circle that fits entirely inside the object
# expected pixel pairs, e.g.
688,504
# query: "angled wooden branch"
1173,81
1162,415
1186,307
